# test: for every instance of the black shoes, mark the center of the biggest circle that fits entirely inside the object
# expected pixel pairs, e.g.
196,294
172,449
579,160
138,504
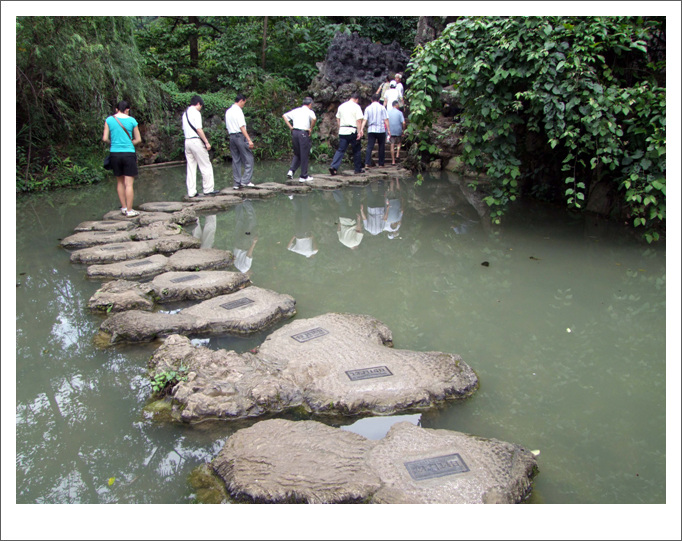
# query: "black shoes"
214,192
333,171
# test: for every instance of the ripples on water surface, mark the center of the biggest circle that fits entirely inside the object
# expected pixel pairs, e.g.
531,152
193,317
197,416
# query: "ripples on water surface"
563,319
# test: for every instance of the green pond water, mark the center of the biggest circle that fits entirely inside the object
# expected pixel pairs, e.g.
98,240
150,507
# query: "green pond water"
562,317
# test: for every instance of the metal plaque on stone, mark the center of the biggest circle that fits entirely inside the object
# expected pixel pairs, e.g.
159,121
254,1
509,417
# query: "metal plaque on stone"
368,373
139,264
104,233
236,304
185,279
112,248
108,223
317,332
430,468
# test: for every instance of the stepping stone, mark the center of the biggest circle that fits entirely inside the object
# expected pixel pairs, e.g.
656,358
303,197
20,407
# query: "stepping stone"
183,285
123,251
279,461
298,188
200,259
322,183
156,230
245,312
122,295
162,206
334,364
85,239
130,270
214,202
108,225
182,217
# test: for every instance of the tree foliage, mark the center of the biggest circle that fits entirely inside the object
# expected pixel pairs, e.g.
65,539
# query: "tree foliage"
588,89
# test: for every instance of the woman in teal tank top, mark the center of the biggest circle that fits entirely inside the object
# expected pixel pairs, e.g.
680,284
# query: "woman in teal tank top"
122,132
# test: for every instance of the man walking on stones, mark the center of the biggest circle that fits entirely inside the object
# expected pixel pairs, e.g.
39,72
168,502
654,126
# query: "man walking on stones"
301,122
240,144
396,124
376,120
349,120
196,149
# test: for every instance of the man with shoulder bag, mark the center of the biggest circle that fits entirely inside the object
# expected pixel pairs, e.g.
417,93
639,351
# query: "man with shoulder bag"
196,149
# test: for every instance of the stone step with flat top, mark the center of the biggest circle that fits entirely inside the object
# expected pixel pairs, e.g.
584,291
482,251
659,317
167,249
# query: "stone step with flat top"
281,461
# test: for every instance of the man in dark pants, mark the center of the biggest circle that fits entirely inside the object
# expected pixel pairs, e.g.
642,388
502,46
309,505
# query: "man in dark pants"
240,144
349,120
376,120
301,122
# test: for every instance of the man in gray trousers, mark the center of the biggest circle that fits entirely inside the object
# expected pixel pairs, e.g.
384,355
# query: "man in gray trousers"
240,144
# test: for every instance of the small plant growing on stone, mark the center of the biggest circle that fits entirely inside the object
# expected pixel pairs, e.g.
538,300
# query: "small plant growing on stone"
166,380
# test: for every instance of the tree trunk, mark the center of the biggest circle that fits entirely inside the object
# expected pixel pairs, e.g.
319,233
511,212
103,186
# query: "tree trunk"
265,38
194,52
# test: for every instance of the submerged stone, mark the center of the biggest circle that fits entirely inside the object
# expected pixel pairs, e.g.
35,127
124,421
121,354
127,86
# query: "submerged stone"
335,364
241,313
279,461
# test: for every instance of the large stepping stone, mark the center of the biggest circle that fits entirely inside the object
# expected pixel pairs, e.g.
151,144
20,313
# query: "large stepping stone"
279,461
156,230
335,364
162,206
322,183
182,217
200,259
85,239
241,313
130,270
212,203
104,225
200,285
300,188
122,251
183,260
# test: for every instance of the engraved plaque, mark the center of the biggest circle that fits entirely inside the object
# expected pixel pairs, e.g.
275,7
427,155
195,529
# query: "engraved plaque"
188,278
139,264
111,248
108,223
369,373
310,335
104,233
236,304
430,468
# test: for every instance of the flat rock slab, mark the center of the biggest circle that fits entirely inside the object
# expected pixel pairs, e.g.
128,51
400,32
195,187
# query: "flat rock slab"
334,364
279,461
123,251
211,203
85,239
104,225
300,188
241,313
200,259
129,270
200,285
156,230
182,217
322,183
162,206
121,295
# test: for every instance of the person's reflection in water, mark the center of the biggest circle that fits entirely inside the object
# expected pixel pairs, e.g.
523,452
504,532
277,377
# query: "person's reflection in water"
377,209
303,242
349,227
394,214
245,236
206,234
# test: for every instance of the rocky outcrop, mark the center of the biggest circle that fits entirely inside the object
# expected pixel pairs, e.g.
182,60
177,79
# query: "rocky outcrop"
279,461
334,364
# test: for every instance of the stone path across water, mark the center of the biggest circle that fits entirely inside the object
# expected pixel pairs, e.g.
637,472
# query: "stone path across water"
279,461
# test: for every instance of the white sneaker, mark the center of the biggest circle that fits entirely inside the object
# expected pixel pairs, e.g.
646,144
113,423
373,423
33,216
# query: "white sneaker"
290,174
305,179
249,185
124,210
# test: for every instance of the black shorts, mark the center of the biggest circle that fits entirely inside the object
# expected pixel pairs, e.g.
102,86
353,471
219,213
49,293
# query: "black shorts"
124,164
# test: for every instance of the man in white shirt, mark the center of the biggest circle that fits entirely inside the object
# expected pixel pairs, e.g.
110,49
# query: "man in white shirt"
392,95
399,86
196,149
301,122
349,120
376,120
240,144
